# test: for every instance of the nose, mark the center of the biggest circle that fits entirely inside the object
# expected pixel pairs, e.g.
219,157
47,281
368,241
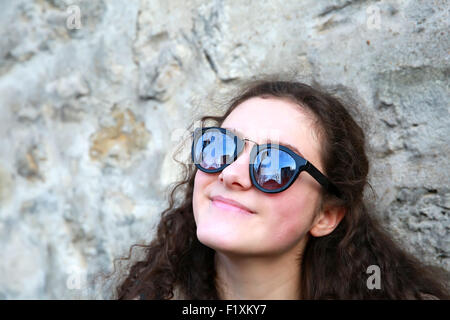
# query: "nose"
236,175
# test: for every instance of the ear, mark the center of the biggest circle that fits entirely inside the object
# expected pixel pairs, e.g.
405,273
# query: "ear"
327,220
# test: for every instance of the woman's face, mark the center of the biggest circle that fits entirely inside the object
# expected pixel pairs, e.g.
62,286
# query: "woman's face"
281,220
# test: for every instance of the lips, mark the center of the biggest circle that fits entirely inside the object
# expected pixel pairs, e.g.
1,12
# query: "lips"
232,203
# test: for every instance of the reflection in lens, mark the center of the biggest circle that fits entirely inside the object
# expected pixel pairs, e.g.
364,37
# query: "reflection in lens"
273,168
214,149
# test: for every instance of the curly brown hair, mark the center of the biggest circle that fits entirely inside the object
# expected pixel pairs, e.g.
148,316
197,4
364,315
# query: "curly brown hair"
333,266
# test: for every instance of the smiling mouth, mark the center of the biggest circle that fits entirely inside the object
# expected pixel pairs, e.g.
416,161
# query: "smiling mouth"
229,207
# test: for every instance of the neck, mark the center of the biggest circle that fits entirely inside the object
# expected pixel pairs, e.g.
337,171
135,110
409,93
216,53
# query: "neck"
258,277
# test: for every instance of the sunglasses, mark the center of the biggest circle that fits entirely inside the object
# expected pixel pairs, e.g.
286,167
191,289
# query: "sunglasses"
273,167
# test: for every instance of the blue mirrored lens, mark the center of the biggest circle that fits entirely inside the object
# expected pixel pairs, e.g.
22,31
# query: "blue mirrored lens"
273,168
214,149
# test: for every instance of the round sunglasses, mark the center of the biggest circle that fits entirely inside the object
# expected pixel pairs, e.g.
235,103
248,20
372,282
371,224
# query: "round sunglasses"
273,167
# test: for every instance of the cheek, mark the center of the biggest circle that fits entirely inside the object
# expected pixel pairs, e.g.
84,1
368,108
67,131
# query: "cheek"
292,218
199,197
195,194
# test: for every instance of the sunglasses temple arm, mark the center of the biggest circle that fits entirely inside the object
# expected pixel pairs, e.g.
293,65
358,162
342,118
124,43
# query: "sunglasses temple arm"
327,184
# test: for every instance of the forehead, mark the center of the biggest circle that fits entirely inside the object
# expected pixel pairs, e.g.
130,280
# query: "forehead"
278,120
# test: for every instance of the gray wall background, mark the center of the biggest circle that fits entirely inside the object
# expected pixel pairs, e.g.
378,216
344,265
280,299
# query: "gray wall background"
91,110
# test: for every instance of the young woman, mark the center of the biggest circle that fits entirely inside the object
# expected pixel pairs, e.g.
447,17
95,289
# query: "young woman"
272,207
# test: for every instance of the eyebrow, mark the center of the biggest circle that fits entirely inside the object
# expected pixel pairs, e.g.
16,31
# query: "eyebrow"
269,141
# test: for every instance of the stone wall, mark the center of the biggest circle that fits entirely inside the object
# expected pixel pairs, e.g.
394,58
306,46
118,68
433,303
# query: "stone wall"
96,94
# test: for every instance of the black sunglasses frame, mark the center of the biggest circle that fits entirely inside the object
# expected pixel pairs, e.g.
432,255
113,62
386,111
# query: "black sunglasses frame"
301,163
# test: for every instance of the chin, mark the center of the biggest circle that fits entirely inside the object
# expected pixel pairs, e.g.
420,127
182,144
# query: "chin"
217,242
227,248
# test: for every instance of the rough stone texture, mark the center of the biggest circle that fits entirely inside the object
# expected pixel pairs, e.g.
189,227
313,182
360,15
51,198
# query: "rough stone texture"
86,115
